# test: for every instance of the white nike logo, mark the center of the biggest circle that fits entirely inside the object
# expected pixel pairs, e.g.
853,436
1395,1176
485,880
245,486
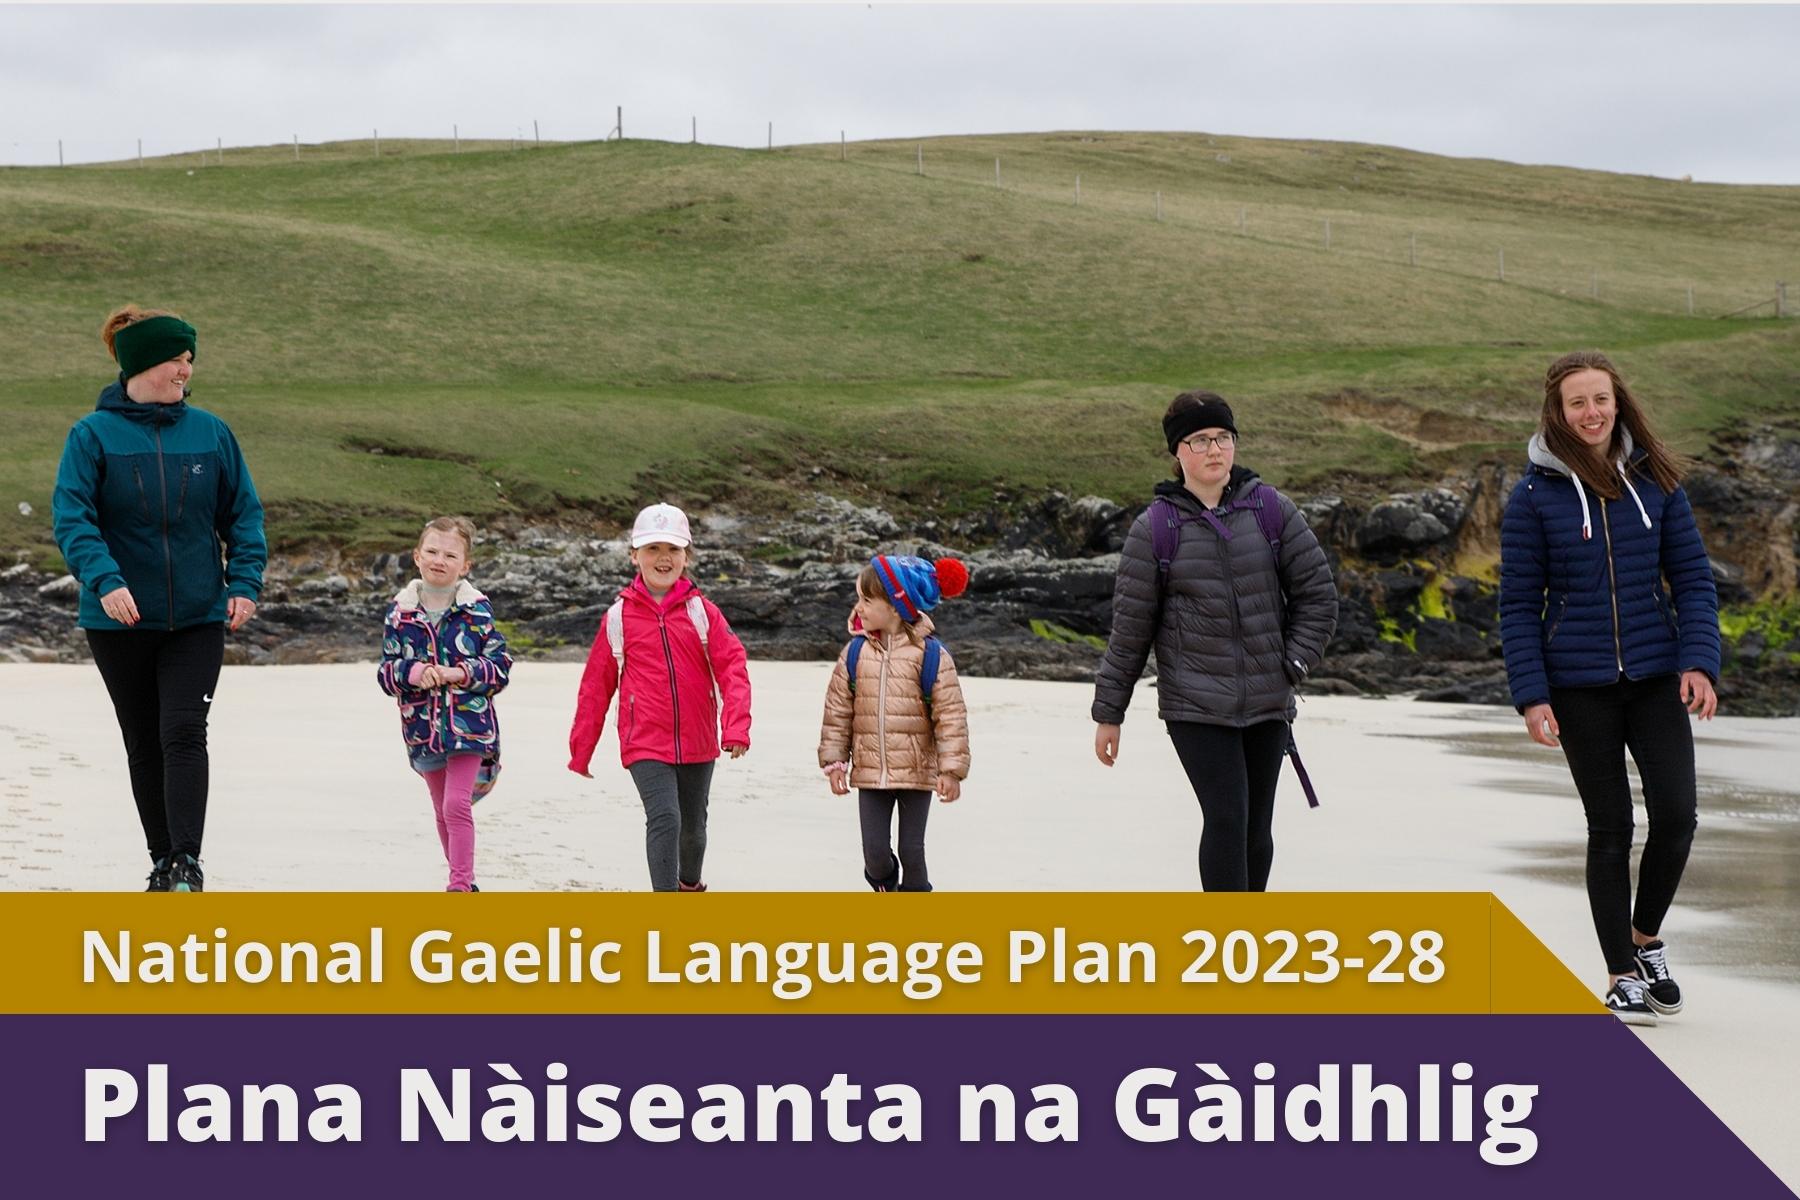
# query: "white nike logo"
206,699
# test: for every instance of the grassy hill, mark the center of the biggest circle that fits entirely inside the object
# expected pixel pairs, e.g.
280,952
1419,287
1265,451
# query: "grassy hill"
582,327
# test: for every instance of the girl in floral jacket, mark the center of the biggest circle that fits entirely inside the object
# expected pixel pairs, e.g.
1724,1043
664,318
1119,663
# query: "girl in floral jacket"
444,661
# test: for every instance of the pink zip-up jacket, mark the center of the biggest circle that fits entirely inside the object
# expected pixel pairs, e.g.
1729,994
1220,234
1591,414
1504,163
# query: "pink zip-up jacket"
667,707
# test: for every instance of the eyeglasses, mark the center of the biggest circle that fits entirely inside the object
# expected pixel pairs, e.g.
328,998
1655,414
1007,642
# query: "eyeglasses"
1200,441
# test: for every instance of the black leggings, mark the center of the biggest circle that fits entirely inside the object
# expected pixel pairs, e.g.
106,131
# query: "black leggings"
875,807
1599,724
161,686
1234,772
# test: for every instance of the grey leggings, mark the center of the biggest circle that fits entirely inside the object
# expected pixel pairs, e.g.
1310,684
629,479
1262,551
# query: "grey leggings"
876,808
674,819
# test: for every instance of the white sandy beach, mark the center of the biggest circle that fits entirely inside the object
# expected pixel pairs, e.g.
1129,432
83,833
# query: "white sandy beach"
311,791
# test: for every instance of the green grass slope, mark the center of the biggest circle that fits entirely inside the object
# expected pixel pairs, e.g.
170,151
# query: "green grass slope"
582,327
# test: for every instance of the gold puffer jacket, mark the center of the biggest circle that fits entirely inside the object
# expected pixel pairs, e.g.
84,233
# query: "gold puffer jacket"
884,730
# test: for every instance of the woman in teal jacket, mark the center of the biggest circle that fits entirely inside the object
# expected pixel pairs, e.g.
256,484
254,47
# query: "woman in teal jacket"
157,518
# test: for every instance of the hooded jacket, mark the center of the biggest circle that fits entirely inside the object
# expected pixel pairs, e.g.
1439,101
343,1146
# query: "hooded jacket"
453,720
884,730
156,498
1234,631
668,709
1582,595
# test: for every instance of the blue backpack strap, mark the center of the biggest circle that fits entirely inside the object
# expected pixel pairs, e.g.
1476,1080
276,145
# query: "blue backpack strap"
856,645
928,669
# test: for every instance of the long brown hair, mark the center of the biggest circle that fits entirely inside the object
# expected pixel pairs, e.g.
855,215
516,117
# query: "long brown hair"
118,319
1596,471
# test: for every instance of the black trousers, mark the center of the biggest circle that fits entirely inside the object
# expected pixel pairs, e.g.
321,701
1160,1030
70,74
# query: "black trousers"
161,685
1599,724
1234,773
875,810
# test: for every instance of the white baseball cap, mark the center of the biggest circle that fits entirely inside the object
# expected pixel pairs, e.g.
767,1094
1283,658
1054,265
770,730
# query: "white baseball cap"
661,523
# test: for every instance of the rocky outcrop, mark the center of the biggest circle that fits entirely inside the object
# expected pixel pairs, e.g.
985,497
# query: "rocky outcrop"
1415,573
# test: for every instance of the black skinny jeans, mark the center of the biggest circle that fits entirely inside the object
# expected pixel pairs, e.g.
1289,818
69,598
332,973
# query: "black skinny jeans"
1234,773
1599,724
161,684
875,808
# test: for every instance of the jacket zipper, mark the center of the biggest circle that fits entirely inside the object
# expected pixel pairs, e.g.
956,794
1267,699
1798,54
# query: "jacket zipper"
674,696
881,714
1612,588
162,476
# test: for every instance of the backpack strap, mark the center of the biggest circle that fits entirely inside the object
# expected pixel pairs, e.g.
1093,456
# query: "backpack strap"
615,633
1261,500
696,612
928,669
856,645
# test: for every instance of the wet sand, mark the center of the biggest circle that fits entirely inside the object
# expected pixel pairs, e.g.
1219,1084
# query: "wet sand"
311,791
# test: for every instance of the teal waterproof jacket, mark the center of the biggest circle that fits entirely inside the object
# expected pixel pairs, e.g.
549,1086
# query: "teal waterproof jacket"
156,498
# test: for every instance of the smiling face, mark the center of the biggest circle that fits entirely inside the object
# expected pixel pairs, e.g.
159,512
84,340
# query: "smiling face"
165,383
1589,407
877,613
660,563
442,558
1206,457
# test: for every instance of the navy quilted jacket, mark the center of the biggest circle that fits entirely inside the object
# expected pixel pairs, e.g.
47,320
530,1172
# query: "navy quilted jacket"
1591,589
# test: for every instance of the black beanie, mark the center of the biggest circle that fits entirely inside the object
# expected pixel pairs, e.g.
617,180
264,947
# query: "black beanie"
1210,413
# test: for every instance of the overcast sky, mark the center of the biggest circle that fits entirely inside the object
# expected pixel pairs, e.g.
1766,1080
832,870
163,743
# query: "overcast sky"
1668,90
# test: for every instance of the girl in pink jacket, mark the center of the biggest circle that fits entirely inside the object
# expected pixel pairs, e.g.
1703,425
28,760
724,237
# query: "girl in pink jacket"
667,652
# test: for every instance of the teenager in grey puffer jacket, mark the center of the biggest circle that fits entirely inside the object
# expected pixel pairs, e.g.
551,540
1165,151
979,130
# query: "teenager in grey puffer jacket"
1234,630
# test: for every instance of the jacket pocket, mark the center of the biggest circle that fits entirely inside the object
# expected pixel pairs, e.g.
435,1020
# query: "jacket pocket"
1562,609
1662,609
143,492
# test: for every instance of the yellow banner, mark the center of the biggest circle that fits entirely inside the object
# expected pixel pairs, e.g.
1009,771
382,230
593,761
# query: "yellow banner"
762,952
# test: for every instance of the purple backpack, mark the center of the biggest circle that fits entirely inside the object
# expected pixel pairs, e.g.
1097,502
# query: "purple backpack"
1166,520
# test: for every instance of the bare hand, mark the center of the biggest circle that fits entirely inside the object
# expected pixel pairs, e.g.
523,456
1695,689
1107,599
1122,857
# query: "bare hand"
1106,744
119,605
1541,724
949,788
1698,694
736,749
238,611
839,780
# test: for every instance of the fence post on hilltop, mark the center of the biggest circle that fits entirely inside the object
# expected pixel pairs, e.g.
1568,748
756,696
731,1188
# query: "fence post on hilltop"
536,137
221,152
1412,249
920,169
455,140
694,133
140,152
843,148
1503,266
619,121
771,135
1328,233
1690,300
376,135
296,147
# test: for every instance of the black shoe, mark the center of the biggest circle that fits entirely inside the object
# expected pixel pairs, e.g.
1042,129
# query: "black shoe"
1628,1000
159,876
1660,988
185,874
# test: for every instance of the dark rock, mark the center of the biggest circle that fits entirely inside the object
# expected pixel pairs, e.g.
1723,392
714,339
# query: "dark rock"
1399,526
1448,641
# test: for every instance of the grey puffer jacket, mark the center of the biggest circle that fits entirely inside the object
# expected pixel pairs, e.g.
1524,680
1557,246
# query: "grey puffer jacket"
1235,630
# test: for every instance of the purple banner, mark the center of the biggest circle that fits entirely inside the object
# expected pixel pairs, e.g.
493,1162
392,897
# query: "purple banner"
1441,1102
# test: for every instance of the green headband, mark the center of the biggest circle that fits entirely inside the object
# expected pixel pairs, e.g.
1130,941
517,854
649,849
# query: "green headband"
151,342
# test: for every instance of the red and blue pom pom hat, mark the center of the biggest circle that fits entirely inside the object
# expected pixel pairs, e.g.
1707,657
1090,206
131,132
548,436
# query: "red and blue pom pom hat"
914,586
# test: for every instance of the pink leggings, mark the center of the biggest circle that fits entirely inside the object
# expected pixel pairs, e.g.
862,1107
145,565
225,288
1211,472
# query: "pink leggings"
450,788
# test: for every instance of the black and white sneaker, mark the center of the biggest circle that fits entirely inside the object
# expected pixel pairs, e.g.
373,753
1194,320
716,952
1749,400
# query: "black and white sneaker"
159,876
185,874
1660,987
1628,1000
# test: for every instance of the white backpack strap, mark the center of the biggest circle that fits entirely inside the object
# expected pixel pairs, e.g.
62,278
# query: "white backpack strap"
696,611
615,634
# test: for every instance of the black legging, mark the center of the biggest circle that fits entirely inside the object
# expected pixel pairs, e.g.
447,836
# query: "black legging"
161,686
875,808
1598,724
1233,772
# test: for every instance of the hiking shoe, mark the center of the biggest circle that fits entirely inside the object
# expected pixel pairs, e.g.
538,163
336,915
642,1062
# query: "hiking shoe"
185,874
1660,988
1628,1000
159,876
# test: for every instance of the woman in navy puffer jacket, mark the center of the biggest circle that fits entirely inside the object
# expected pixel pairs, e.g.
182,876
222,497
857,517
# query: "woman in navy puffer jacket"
1611,628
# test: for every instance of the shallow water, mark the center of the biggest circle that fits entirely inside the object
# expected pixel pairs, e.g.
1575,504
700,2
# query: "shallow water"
1743,873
